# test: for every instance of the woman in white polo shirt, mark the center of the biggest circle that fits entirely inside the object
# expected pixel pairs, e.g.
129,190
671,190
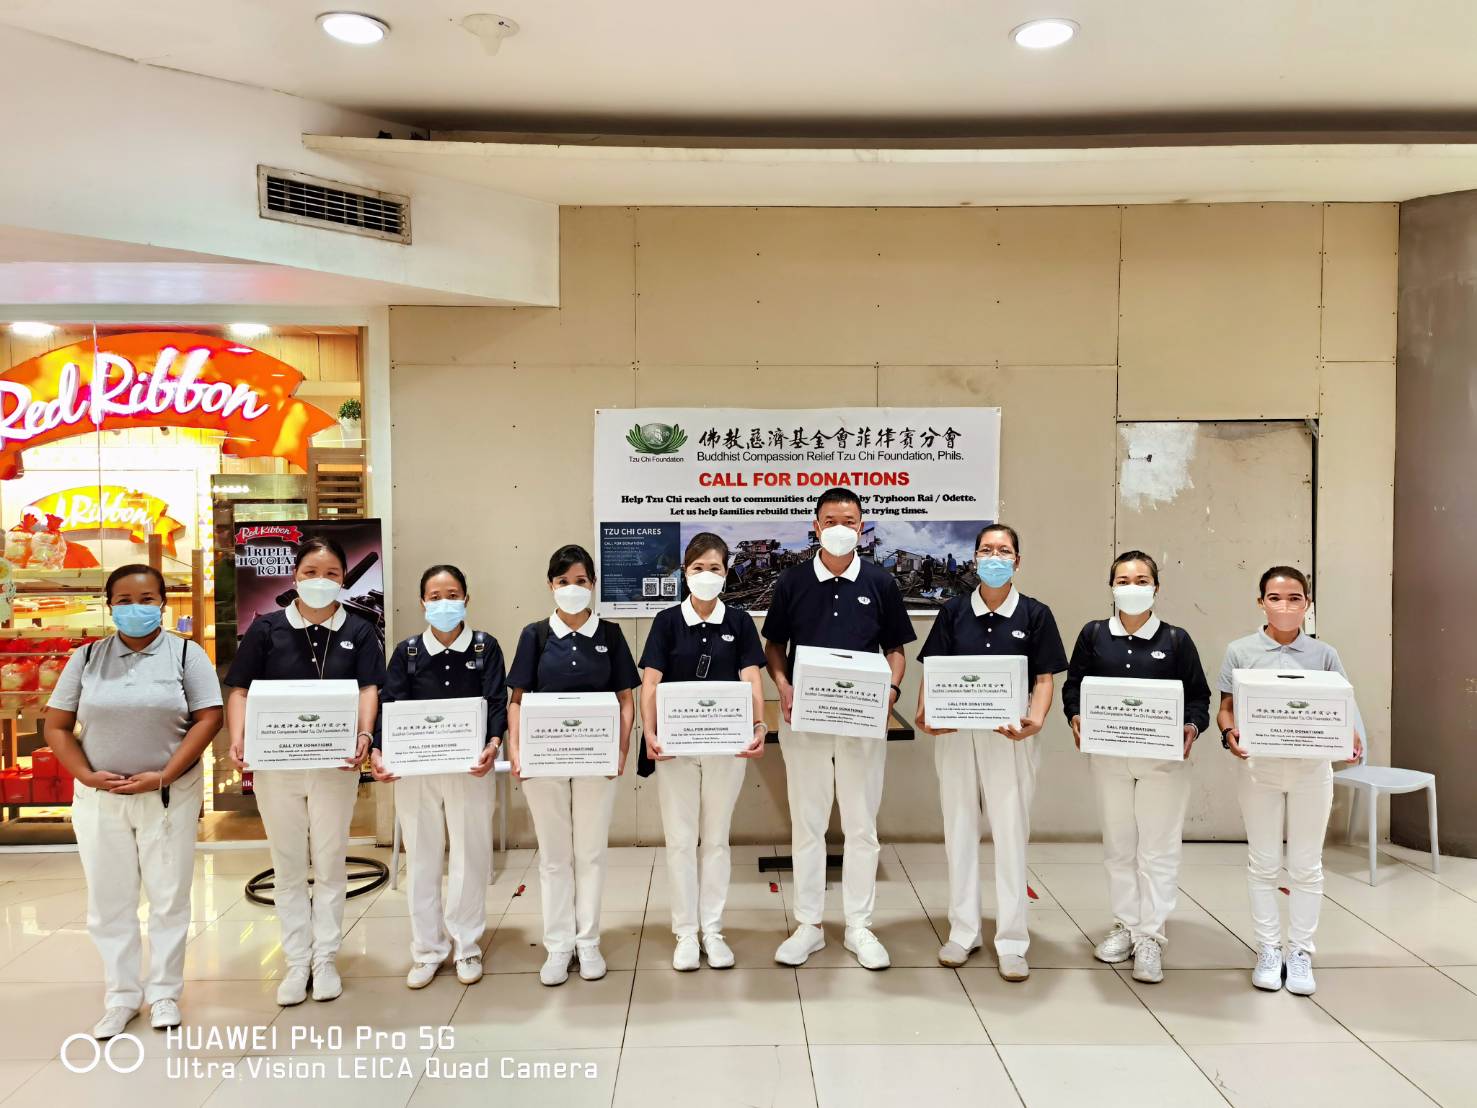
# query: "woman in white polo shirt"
1298,791
145,705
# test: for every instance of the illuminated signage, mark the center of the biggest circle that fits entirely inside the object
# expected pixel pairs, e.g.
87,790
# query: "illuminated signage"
101,507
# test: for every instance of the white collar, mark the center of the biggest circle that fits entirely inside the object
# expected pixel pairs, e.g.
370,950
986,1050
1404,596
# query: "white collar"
434,645
1269,643
560,628
333,622
1147,631
1006,610
852,571
692,619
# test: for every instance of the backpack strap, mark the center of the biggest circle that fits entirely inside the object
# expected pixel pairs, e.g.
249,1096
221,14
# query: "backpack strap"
412,656
541,633
479,650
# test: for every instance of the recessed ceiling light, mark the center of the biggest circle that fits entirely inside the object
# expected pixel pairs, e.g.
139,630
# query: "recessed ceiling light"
29,329
354,28
248,330
1043,34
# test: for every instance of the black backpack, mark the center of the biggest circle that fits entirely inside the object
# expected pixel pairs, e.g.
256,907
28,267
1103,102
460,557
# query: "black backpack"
480,641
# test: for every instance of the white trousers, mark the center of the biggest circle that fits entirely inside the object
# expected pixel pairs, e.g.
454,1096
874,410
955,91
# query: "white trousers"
697,798
818,770
435,811
307,813
1142,802
125,841
982,764
571,817
1299,791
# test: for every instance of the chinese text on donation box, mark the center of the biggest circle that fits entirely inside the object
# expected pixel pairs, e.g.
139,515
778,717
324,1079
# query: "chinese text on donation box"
569,735
704,717
433,736
301,724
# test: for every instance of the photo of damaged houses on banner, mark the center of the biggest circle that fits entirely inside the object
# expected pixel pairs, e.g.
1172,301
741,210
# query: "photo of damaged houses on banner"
929,479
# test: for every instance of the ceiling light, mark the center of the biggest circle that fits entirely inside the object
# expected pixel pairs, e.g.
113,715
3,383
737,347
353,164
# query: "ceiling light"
1043,34
248,330
490,28
354,28
28,329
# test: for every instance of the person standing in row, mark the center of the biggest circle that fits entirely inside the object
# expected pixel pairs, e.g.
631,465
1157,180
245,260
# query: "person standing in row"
145,705
448,660
1295,792
837,599
1142,800
572,650
998,765
701,639
306,812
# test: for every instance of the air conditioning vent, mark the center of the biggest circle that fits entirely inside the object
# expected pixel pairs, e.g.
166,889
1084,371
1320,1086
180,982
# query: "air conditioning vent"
332,205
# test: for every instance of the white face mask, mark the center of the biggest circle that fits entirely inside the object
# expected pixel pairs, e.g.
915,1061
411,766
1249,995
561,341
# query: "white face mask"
318,592
705,585
839,540
1133,600
572,599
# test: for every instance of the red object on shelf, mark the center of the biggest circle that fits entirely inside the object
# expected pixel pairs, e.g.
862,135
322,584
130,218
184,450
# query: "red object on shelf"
44,763
66,782
46,790
15,786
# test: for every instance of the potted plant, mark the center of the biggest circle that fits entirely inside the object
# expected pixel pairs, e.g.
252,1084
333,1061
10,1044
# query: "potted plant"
350,417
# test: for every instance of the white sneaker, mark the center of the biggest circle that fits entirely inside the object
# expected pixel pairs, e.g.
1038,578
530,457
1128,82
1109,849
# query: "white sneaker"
807,939
294,987
718,952
113,1022
1300,973
555,969
327,984
422,974
592,964
164,1014
1148,962
954,955
1268,972
1117,947
688,955
867,947
1013,967
469,969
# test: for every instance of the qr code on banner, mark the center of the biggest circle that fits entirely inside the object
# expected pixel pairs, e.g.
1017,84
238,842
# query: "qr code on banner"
651,586
669,588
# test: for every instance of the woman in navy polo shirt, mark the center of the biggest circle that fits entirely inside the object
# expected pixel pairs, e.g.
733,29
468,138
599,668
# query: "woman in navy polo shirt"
999,765
313,639
1142,800
700,639
572,651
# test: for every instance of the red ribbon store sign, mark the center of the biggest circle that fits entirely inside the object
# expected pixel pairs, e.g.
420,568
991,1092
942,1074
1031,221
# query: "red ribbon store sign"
157,379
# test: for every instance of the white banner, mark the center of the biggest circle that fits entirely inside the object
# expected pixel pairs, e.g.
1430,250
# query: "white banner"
929,478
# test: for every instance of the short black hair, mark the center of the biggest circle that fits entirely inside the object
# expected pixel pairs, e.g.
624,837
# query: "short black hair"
837,496
315,544
436,571
1015,540
1290,572
571,555
128,571
1134,556
703,542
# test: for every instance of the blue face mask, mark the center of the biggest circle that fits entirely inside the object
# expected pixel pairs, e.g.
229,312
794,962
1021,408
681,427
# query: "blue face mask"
446,615
995,571
138,620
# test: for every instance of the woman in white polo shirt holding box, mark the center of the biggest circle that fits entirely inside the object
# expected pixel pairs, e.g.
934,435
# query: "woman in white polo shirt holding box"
1298,791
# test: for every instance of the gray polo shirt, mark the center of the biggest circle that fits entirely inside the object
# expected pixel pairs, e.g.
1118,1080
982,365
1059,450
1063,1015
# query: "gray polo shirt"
133,706
1261,651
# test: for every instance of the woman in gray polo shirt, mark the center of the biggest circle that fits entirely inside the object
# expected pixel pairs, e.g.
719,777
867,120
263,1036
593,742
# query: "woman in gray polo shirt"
145,705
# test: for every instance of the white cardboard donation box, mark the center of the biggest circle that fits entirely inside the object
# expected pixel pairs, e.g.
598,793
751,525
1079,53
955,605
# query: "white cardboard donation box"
301,724
840,692
975,691
569,735
1130,717
704,717
1294,713
419,737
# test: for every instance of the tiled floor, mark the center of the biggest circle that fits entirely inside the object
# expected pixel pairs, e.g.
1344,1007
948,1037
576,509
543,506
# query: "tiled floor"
1394,1022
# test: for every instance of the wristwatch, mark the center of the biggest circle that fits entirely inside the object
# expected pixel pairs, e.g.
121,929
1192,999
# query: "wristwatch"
1226,737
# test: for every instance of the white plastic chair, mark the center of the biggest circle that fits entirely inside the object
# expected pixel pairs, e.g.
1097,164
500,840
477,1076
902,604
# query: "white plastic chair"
1373,780
502,771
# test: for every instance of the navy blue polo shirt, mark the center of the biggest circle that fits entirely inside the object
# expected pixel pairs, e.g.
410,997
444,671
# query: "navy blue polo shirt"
448,673
1156,650
282,646
680,638
1022,625
860,610
594,658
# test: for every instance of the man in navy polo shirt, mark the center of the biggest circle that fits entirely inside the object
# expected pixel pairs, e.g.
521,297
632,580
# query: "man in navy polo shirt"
835,600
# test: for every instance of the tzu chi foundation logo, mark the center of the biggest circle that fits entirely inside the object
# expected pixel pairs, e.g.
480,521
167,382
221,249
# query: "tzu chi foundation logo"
656,438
